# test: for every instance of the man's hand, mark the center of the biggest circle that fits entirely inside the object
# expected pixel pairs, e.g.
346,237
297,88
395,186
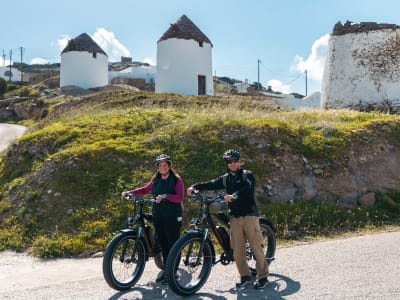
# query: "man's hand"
228,198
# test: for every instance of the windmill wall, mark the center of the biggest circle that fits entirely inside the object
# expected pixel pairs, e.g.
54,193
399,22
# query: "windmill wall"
362,69
179,62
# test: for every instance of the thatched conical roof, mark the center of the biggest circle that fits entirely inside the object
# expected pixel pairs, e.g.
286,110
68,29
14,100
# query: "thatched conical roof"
184,28
82,43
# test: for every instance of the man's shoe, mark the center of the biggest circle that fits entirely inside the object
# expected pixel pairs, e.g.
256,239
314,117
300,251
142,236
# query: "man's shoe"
244,280
161,276
261,283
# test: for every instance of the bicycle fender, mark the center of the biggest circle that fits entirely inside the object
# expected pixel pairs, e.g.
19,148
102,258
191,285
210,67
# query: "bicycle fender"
128,231
268,222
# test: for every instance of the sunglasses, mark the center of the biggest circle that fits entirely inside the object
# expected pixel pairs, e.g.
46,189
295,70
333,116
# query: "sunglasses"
232,161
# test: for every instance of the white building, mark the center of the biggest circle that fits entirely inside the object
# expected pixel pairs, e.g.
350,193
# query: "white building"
148,73
362,68
184,60
241,87
83,63
7,74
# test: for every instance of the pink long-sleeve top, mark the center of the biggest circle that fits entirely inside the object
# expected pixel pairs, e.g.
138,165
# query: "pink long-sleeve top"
174,198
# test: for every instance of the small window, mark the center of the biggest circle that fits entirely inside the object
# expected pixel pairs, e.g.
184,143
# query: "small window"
201,43
94,54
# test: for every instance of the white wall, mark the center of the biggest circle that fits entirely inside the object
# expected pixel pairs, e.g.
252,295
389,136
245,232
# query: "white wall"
179,62
241,87
362,69
79,68
16,75
148,73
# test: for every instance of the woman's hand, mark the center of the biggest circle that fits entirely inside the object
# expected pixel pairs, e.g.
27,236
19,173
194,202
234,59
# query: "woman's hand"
189,191
159,198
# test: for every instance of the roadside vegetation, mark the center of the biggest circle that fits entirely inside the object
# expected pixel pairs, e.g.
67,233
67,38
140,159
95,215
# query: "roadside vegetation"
60,184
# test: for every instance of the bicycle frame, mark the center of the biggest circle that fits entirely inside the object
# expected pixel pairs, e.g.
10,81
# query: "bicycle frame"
137,227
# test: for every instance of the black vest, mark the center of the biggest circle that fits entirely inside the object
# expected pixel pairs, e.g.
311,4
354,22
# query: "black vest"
165,186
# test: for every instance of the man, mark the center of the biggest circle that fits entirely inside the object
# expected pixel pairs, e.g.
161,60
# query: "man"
244,219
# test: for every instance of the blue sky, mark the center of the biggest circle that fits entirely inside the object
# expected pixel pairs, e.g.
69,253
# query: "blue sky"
287,36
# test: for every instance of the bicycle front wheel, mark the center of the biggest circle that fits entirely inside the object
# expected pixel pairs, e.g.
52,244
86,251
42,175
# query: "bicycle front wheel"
124,261
188,265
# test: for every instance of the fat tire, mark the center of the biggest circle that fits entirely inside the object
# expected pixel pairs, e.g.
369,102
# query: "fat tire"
174,261
110,275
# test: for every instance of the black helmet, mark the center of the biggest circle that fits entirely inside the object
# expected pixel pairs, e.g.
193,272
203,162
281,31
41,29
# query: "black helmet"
231,154
163,157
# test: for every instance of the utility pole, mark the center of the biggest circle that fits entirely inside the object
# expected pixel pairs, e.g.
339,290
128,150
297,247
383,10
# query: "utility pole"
22,73
305,72
258,72
4,58
10,65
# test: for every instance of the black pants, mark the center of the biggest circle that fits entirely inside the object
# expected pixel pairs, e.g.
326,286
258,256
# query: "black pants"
168,230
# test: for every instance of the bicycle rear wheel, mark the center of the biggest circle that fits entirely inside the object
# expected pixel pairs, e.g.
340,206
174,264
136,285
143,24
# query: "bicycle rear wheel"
188,265
269,246
121,268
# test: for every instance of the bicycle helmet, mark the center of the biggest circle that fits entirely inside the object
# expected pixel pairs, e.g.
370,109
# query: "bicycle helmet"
231,154
163,157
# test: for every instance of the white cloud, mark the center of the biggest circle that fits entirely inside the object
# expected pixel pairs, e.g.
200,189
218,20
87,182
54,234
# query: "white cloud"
62,42
4,62
109,43
315,62
39,61
278,86
149,61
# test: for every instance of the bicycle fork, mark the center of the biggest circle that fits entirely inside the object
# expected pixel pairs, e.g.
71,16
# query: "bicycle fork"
132,259
187,260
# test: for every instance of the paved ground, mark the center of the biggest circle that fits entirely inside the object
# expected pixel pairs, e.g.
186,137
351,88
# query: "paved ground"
363,267
8,133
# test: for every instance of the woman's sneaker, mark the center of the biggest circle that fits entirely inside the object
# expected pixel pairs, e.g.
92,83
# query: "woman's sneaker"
244,280
261,283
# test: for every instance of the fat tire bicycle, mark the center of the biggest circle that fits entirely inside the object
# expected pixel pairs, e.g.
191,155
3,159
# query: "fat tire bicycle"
192,257
126,254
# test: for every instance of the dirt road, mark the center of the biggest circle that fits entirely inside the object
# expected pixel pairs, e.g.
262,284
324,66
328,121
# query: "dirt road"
363,267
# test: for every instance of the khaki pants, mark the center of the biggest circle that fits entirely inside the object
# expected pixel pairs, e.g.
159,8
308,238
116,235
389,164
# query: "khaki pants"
248,229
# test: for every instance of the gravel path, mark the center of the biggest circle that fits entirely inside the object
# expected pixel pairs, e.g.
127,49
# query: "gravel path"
362,267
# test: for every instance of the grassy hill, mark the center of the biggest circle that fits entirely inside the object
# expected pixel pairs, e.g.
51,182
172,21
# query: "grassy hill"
60,183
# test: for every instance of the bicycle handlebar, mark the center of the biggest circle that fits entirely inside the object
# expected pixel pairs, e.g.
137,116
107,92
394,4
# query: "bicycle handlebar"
196,195
130,196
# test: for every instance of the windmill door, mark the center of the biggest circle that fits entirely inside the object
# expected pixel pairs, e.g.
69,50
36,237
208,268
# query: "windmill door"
201,84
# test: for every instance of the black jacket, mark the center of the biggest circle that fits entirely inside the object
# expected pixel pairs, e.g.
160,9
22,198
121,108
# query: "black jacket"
241,188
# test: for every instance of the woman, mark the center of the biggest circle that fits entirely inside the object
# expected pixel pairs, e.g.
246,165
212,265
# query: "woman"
167,187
